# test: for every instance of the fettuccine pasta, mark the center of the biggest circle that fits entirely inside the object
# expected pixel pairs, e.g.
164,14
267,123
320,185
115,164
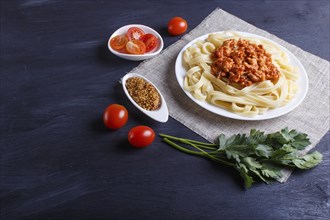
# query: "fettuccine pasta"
251,100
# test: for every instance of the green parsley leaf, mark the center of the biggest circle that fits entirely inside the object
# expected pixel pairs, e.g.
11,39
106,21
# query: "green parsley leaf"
255,137
243,171
308,161
294,138
272,170
263,150
300,141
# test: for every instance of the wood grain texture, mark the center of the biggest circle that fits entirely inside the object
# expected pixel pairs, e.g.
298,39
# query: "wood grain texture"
59,162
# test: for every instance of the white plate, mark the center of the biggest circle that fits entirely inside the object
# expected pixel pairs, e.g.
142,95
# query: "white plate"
161,114
272,113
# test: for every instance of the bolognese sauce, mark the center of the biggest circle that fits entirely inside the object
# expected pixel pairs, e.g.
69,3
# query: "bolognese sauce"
242,63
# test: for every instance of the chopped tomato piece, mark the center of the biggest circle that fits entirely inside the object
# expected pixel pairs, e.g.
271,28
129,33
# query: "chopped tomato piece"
135,47
118,42
135,33
123,50
150,41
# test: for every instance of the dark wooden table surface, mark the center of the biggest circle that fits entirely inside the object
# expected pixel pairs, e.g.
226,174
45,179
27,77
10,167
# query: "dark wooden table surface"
59,162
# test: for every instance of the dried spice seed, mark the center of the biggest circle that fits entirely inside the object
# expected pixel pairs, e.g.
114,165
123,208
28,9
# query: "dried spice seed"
143,93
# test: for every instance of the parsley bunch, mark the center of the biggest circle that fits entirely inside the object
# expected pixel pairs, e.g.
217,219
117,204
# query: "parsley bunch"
257,156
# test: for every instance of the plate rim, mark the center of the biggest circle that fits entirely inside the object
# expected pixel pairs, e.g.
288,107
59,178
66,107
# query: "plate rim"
298,99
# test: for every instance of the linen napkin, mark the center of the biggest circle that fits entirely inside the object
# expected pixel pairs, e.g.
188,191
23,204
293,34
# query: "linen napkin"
311,117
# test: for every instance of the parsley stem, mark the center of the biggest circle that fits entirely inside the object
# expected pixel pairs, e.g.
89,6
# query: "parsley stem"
200,153
217,159
217,151
204,144
171,143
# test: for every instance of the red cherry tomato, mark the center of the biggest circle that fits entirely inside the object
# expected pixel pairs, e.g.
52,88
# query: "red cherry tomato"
141,136
177,26
134,33
115,116
123,50
135,47
118,42
150,41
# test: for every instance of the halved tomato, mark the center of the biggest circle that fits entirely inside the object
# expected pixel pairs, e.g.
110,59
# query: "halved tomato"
135,47
150,41
118,42
134,33
123,50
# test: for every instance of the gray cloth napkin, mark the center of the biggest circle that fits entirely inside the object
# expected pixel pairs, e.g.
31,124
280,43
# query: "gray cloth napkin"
311,117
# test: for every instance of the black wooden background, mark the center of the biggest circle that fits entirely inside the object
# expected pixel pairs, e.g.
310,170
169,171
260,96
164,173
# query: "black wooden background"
59,162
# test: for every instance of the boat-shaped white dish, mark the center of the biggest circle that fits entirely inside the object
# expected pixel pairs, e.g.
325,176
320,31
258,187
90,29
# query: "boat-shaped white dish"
137,57
160,114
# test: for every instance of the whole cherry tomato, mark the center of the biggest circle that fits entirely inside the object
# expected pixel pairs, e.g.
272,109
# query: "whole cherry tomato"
141,136
177,26
115,116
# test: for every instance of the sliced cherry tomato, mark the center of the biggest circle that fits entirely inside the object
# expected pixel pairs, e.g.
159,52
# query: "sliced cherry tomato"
123,50
118,42
150,41
134,33
115,116
141,136
177,26
135,47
